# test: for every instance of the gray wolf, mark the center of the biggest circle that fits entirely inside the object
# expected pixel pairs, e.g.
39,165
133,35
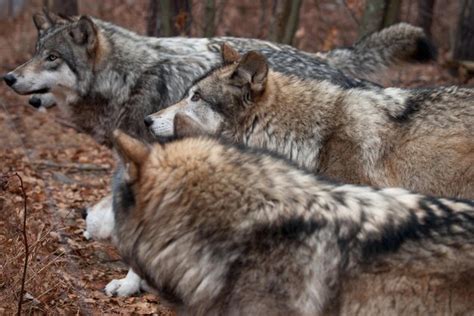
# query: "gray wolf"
218,229
419,139
105,77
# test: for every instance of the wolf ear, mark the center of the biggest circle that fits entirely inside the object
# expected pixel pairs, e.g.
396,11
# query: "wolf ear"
229,55
132,151
46,19
85,33
42,22
252,70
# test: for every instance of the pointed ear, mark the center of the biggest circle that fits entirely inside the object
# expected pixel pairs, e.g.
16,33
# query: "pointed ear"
229,55
85,33
132,151
253,70
41,22
57,18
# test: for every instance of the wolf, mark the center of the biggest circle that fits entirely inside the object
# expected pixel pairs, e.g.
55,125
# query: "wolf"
419,139
105,77
367,59
221,229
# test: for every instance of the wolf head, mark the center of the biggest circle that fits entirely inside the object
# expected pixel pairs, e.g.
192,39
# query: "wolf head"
63,60
221,97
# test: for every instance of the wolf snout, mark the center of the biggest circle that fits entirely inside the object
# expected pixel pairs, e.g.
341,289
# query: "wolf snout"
9,79
35,102
148,121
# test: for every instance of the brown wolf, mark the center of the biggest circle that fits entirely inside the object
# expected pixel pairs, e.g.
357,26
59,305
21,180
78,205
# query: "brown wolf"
419,139
222,230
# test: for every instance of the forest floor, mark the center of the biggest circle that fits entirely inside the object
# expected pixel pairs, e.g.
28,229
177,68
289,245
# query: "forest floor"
63,171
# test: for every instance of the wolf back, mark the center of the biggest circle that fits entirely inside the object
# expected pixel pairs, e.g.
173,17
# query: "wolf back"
225,230
419,139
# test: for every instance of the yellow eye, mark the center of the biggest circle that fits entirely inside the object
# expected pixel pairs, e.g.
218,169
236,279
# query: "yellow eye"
196,96
52,57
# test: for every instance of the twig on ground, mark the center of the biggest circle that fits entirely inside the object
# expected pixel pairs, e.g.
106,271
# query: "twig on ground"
67,124
25,242
76,166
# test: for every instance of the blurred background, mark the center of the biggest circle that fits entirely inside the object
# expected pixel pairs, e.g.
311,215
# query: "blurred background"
63,171
312,25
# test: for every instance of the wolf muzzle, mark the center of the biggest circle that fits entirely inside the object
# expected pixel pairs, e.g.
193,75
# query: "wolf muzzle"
9,79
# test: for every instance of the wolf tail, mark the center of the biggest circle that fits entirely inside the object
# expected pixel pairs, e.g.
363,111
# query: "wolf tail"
375,52
422,226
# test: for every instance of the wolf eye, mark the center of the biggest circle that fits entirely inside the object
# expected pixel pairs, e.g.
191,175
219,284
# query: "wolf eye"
196,96
52,57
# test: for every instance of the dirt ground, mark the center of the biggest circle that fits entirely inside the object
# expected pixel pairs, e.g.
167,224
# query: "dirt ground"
64,171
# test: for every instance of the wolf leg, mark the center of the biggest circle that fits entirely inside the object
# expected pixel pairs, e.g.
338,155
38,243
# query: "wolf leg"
124,287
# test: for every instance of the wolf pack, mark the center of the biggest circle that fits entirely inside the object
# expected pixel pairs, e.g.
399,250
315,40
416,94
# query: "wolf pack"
255,178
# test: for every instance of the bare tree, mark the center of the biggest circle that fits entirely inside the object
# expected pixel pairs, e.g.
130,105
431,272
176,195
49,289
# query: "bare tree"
286,20
209,18
464,41
166,18
425,15
67,8
169,18
182,17
153,24
379,14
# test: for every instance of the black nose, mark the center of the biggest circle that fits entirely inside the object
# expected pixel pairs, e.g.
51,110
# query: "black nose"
35,102
148,121
9,79
84,213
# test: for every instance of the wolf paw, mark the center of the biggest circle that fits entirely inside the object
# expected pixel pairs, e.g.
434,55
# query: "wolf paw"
122,287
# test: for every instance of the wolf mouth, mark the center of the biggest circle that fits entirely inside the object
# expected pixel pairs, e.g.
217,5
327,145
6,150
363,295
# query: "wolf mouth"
37,91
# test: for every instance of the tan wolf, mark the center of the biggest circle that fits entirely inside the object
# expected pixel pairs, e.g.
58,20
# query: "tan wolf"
223,230
419,139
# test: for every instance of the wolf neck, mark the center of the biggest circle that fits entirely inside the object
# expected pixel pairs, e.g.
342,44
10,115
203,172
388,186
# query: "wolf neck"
127,56
320,126
293,117
139,76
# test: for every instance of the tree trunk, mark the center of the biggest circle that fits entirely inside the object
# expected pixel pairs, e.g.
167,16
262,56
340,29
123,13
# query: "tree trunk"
464,42
293,21
285,22
165,18
379,14
392,13
181,17
209,18
372,20
425,15
153,19
62,7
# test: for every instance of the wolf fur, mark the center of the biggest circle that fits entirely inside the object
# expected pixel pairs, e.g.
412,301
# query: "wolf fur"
398,43
106,77
223,230
419,139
